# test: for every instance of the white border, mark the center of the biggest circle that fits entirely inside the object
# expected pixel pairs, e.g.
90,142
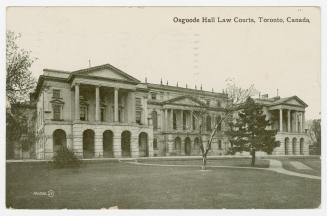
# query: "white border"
320,3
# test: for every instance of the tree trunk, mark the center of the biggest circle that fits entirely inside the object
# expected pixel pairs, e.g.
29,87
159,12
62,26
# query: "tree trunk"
204,161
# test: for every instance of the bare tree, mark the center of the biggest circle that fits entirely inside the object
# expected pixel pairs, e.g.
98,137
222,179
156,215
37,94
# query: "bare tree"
235,96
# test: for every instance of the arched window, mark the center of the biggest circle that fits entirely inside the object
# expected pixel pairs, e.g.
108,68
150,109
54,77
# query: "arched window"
154,120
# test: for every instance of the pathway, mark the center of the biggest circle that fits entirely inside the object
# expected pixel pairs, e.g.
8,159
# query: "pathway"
274,165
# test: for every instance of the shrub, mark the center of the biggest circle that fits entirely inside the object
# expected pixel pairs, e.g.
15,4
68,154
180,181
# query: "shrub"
65,158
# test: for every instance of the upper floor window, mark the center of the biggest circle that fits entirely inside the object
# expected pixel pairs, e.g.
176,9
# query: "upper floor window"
153,96
208,121
155,144
138,104
174,121
56,93
219,145
154,120
102,113
218,103
208,102
56,112
83,113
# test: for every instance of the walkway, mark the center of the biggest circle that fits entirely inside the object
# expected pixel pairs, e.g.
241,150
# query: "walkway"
274,165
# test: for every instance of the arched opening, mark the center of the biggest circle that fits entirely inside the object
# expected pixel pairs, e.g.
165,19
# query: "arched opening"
287,142
143,145
177,145
208,121
59,140
154,120
196,145
294,146
88,143
108,143
301,146
187,147
126,144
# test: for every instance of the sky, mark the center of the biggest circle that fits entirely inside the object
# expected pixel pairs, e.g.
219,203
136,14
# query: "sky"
146,42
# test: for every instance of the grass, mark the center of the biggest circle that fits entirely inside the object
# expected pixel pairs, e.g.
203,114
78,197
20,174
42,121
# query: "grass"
107,183
313,163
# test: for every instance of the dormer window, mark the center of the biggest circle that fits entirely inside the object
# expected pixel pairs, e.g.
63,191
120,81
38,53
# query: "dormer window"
56,93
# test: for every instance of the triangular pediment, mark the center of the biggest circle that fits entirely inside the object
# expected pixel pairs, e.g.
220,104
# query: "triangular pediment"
185,101
295,101
106,71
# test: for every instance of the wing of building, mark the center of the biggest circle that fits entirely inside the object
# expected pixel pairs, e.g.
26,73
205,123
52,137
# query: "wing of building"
288,118
104,112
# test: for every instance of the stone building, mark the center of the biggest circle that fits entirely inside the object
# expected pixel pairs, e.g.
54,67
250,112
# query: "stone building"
288,118
103,112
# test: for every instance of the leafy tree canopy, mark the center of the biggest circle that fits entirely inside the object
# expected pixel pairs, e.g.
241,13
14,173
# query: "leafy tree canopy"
250,128
19,80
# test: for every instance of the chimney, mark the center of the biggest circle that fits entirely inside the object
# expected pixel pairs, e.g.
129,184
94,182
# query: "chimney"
264,96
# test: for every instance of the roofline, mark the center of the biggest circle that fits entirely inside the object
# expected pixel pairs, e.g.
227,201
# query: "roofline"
169,87
54,70
105,66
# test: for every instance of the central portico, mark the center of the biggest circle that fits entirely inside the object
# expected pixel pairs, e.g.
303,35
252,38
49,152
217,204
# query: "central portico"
106,114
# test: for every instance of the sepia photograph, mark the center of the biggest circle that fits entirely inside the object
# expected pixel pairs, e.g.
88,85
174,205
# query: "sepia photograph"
200,107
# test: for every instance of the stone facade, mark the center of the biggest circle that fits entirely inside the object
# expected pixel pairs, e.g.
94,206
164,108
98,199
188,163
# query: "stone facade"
104,112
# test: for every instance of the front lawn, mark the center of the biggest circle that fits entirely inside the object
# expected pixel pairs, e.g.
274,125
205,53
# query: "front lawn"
128,186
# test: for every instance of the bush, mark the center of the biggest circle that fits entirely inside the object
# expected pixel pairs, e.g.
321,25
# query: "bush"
65,158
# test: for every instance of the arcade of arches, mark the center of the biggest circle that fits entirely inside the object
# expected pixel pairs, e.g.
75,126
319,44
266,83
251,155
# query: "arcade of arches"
294,146
108,149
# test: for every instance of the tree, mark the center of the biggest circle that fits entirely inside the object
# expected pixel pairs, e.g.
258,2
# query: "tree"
19,80
315,135
235,96
19,83
250,129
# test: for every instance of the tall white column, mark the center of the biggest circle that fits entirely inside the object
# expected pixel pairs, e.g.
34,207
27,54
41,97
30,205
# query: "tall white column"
133,107
288,120
303,121
116,105
191,120
97,103
296,122
166,120
145,105
280,120
77,116
181,119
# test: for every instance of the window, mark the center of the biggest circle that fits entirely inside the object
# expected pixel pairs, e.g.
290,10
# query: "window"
56,112
102,114
56,93
219,145
83,113
193,122
184,121
208,102
155,144
208,121
154,120
218,121
153,96
218,103
174,121
138,104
